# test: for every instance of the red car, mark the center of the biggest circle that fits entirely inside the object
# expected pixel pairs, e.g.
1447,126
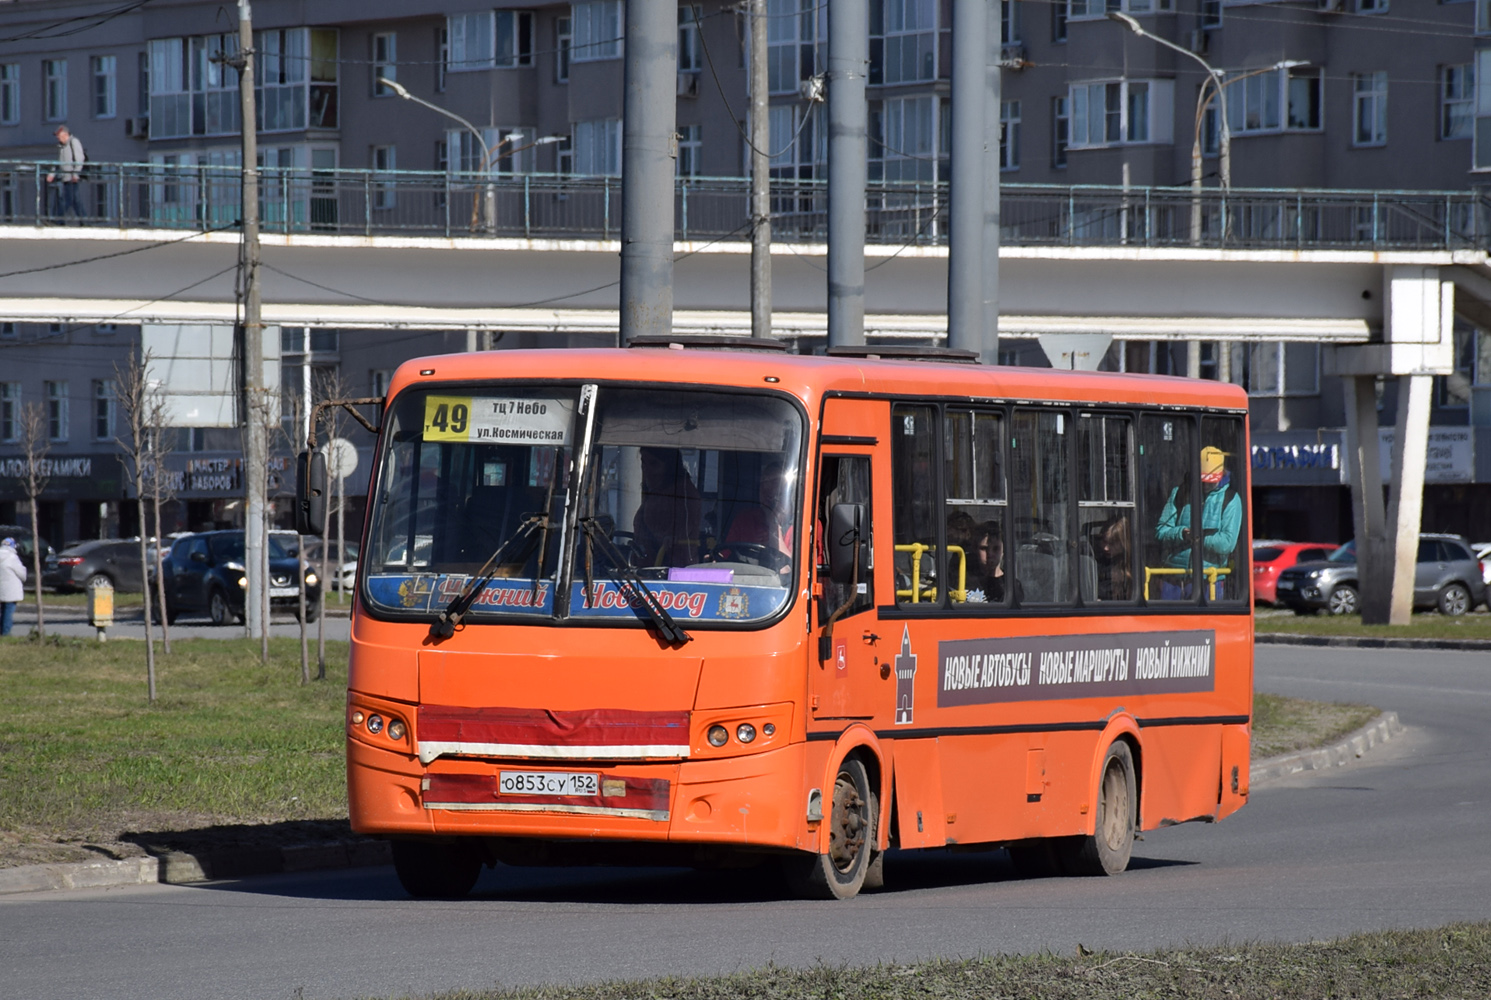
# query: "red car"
1270,558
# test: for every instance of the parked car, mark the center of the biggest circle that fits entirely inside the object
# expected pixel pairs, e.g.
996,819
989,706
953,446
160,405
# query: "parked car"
1483,553
24,548
342,570
1446,576
1270,558
205,576
89,563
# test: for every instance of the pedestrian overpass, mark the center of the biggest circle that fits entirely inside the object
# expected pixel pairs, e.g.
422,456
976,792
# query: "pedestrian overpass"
1380,274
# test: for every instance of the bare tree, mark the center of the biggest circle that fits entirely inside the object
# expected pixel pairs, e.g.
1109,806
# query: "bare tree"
35,472
330,385
162,486
133,394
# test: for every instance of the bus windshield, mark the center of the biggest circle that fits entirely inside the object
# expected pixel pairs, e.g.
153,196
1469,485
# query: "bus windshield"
694,492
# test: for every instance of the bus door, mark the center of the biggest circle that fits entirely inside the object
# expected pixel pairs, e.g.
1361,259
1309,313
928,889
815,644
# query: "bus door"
850,676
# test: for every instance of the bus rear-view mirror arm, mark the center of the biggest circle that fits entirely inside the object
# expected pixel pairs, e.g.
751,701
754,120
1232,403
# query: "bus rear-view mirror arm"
845,540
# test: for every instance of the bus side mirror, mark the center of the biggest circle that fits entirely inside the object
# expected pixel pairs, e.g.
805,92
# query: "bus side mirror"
846,537
310,493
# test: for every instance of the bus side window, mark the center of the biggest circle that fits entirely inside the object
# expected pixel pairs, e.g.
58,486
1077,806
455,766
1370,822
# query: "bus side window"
1105,551
978,571
1168,466
916,505
1042,517
1224,511
845,479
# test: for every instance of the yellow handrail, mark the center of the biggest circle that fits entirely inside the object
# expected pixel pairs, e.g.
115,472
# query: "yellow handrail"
917,549
1210,572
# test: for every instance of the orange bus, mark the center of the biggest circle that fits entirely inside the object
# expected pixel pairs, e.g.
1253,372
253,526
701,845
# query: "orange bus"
699,603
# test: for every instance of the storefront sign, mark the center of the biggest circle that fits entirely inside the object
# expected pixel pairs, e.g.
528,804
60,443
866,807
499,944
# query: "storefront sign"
1450,457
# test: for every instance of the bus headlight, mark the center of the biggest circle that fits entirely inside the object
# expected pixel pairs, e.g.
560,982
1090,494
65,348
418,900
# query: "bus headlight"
718,735
745,732
375,723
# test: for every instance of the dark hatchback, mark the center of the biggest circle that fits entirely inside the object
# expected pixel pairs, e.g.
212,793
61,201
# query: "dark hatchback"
205,576
88,563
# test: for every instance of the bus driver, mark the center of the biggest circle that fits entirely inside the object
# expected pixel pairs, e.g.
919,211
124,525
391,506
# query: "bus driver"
665,531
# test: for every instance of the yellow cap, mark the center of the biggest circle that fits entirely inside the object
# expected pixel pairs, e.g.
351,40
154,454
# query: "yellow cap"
1211,460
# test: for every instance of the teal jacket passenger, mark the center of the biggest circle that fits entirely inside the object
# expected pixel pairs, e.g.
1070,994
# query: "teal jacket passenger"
1221,518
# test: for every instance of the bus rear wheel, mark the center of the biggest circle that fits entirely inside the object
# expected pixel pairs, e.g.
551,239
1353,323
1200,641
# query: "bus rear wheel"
436,869
1107,851
840,873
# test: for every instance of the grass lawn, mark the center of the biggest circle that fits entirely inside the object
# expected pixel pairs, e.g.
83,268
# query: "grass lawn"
84,757
231,743
1425,625
1453,961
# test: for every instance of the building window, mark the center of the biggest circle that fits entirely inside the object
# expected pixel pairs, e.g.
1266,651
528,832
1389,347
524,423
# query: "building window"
597,30
1009,22
1371,6
690,146
562,40
105,94
1211,13
442,56
903,41
1279,100
564,156
10,93
192,91
1456,101
597,148
1009,135
1283,369
1483,17
1058,21
54,89
103,409
1454,388
1078,10
688,40
514,38
380,379
1120,112
56,393
793,130
1369,99
793,31
384,162
385,62
472,41
903,139
1061,130
10,411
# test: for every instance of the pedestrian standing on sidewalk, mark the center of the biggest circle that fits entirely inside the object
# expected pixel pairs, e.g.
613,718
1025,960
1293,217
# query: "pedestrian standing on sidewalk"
12,583
70,159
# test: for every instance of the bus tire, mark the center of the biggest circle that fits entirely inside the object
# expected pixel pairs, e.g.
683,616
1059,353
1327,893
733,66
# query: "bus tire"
1107,851
435,869
875,870
840,873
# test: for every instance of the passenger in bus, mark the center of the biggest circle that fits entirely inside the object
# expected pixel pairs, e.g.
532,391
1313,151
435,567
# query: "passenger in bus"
767,523
988,564
1221,523
1113,553
665,531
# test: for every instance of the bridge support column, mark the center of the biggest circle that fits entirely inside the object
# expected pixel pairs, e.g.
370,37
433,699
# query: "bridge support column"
1417,344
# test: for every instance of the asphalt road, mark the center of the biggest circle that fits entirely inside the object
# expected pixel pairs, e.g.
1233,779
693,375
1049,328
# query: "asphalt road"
1396,839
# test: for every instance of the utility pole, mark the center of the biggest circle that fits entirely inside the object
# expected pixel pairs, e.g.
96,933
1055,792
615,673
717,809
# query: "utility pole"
965,245
760,175
848,66
993,129
255,458
648,150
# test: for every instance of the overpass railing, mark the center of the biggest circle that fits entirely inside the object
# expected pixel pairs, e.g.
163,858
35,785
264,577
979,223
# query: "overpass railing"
367,202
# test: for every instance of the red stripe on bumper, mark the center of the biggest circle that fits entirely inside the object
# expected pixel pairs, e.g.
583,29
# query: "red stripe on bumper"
596,727
481,789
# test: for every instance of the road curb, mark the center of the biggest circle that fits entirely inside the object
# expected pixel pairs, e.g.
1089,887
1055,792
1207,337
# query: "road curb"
1369,642
1380,730
181,868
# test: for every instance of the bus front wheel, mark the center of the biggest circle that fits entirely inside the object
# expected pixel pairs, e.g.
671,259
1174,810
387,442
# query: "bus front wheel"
840,873
1107,851
435,869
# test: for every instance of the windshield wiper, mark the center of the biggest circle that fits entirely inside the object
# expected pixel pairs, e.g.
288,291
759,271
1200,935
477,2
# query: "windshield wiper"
632,585
445,626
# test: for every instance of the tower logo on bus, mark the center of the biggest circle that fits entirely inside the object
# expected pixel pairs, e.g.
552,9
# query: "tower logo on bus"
905,680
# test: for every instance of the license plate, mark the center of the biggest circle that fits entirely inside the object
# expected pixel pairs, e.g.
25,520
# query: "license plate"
284,591
548,783
1286,585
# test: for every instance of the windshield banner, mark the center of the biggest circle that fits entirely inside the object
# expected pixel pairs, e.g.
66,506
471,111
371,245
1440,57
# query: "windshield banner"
499,420
432,592
685,602
1042,668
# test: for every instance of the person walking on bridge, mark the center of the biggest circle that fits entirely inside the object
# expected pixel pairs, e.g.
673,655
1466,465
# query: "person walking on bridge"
70,159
